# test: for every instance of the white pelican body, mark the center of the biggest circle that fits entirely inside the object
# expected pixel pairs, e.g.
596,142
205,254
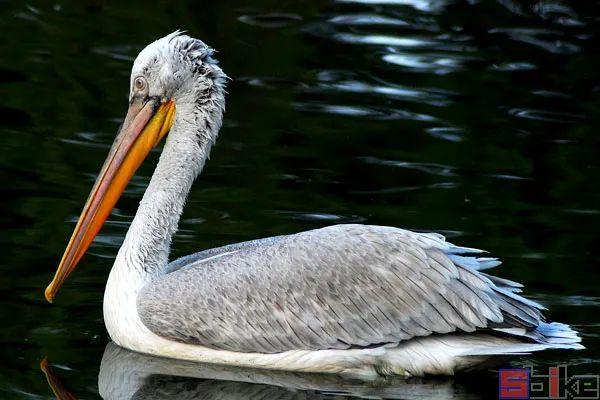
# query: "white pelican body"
347,299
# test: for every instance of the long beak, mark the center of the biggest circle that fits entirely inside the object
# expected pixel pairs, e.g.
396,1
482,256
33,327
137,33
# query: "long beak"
146,123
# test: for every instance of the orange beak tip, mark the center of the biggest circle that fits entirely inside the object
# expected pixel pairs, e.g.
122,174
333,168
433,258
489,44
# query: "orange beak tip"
48,294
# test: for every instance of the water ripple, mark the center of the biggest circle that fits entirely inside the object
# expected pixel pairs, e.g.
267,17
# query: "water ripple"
557,12
545,115
533,36
270,82
334,82
446,133
270,20
581,301
429,168
507,177
119,53
550,93
378,113
406,189
89,139
513,66
366,19
430,6
381,40
435,63
320,216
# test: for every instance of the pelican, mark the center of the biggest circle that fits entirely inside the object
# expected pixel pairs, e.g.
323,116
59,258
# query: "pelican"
346,299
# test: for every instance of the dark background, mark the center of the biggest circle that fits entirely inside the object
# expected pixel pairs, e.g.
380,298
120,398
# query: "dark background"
475,119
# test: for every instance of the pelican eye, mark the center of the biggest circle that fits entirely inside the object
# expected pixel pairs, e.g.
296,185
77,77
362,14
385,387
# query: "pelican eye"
140,83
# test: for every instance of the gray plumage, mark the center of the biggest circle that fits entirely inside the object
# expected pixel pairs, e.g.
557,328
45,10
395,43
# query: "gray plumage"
340,287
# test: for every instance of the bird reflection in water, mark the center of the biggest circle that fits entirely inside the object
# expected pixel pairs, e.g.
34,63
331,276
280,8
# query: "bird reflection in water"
128,375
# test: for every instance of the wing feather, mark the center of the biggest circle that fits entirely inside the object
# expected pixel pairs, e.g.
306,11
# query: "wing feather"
338,287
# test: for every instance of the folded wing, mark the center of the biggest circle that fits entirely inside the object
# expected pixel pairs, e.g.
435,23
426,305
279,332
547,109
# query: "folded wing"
340,287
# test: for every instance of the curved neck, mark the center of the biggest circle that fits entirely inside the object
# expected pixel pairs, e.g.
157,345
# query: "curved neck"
146,247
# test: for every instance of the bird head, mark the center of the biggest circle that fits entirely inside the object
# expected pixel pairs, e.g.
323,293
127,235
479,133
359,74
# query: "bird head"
174,70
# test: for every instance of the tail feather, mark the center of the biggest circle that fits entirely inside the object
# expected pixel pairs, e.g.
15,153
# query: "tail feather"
522,319
558,334
476,263
553,335
504,283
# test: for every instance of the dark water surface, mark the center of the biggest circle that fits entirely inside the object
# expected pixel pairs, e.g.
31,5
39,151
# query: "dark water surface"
475,119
